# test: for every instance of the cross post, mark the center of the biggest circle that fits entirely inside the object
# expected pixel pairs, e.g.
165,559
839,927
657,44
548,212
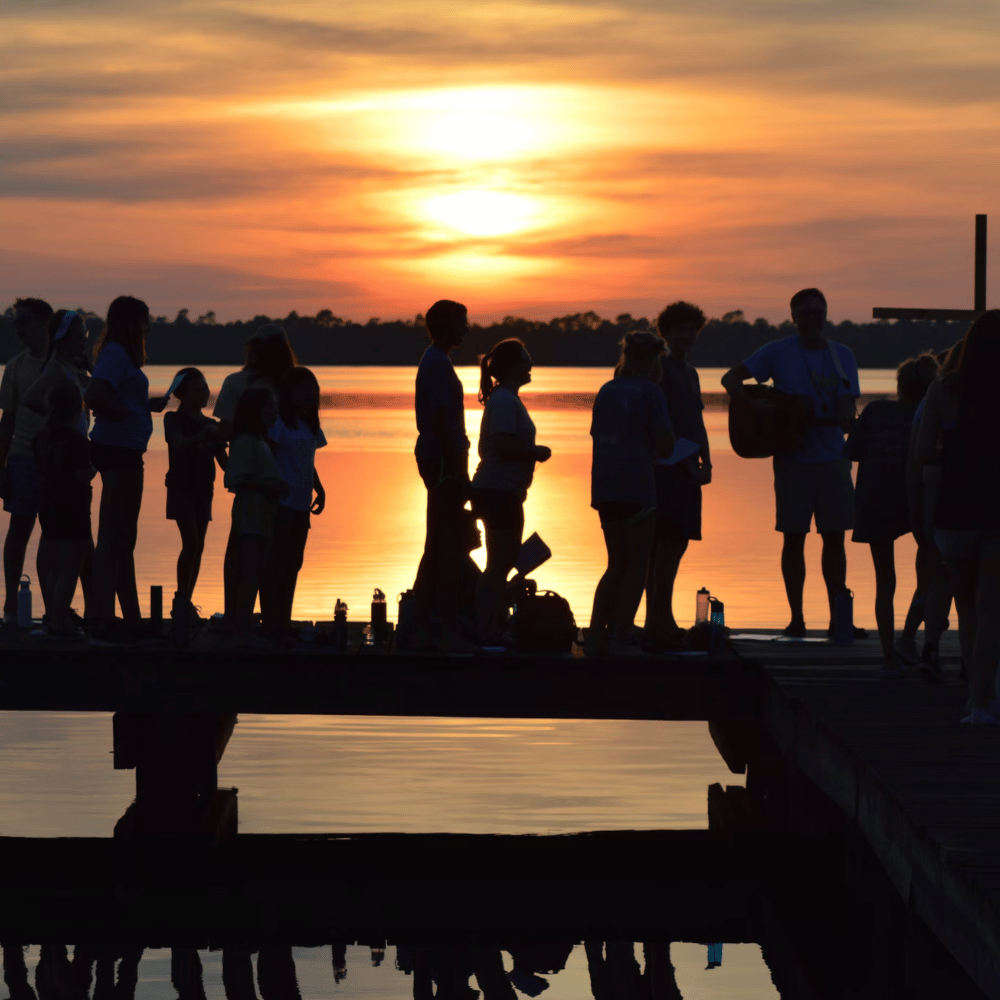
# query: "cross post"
979,297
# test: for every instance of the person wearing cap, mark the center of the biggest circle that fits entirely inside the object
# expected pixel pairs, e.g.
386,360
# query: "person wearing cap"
268,358
17,461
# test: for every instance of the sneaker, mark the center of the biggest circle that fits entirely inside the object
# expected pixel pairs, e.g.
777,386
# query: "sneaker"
980,717
906,651
794,630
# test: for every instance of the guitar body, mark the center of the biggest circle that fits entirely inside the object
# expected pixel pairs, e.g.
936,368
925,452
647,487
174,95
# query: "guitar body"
754,434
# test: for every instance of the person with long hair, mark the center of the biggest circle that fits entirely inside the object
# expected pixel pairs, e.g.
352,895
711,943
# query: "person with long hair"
879,442
507,457
65,363
64,495
194,446
252,475
630,426
295,435
964,410
678,487
18,471
931,602
118,395
268,357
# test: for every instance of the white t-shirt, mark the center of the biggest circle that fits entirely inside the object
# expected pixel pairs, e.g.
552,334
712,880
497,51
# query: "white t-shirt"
504,414
295,453
233,387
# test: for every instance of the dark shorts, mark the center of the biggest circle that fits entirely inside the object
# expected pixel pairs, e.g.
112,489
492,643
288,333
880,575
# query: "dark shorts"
291,516
498,509
107,457
183,506
611,511
65,524
21,495
678,504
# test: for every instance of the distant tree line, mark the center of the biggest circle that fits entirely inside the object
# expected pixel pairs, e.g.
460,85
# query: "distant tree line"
577,339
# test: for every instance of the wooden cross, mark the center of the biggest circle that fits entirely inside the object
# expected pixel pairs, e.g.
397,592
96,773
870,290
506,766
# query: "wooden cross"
980,285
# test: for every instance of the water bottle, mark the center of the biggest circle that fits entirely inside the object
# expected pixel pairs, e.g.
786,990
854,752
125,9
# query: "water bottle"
717,620
843,618
379,622
701,606
339,634
24,602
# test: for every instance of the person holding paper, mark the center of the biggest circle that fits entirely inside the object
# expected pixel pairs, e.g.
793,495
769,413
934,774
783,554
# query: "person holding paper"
507,453
678,485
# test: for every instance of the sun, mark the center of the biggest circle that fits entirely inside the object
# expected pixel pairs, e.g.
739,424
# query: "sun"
482,213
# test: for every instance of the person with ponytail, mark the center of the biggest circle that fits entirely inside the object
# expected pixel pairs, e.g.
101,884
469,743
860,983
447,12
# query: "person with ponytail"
507,457
65,364
118,395
630,427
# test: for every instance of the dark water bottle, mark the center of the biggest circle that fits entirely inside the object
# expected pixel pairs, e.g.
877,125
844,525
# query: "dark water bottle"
701,600
843,618
339,634
717,620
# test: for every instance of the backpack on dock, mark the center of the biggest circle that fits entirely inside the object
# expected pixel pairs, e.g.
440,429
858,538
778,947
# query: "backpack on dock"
543,623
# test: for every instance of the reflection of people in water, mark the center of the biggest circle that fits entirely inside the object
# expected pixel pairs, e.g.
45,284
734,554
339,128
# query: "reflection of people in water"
615,975
338,959
15,972
276,973
186,973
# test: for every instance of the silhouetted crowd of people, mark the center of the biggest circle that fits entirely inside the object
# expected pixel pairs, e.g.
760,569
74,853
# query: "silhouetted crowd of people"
928,463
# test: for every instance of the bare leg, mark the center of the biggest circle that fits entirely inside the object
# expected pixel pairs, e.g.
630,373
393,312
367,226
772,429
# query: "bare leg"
885,592
917,611
986,648
964,575
121,498
834,563
634,542
502,547
253,554
45,567
68,557
793,572
660,577
14,547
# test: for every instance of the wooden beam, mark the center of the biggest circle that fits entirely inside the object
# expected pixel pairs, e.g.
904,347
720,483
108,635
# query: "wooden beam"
980,289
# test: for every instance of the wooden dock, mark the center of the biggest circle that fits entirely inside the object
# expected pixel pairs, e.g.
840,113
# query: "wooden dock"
824,742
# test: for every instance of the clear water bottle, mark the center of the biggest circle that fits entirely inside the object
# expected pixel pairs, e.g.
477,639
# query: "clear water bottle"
843,613
701,606
24,602
339,634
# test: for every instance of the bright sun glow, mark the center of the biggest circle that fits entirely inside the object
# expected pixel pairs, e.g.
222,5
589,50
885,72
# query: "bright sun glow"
482,213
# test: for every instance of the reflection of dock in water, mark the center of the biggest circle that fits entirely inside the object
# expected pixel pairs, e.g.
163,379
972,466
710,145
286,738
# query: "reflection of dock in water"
844,773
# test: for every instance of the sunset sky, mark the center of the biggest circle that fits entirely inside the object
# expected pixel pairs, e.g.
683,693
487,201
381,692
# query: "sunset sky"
527,158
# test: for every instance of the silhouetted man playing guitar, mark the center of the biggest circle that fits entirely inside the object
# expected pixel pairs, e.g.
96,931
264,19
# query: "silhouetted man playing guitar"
813,479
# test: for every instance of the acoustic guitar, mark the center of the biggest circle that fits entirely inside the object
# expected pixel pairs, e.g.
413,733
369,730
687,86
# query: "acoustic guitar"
755,434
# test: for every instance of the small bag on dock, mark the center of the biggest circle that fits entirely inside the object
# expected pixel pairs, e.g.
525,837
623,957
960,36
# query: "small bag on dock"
544,623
